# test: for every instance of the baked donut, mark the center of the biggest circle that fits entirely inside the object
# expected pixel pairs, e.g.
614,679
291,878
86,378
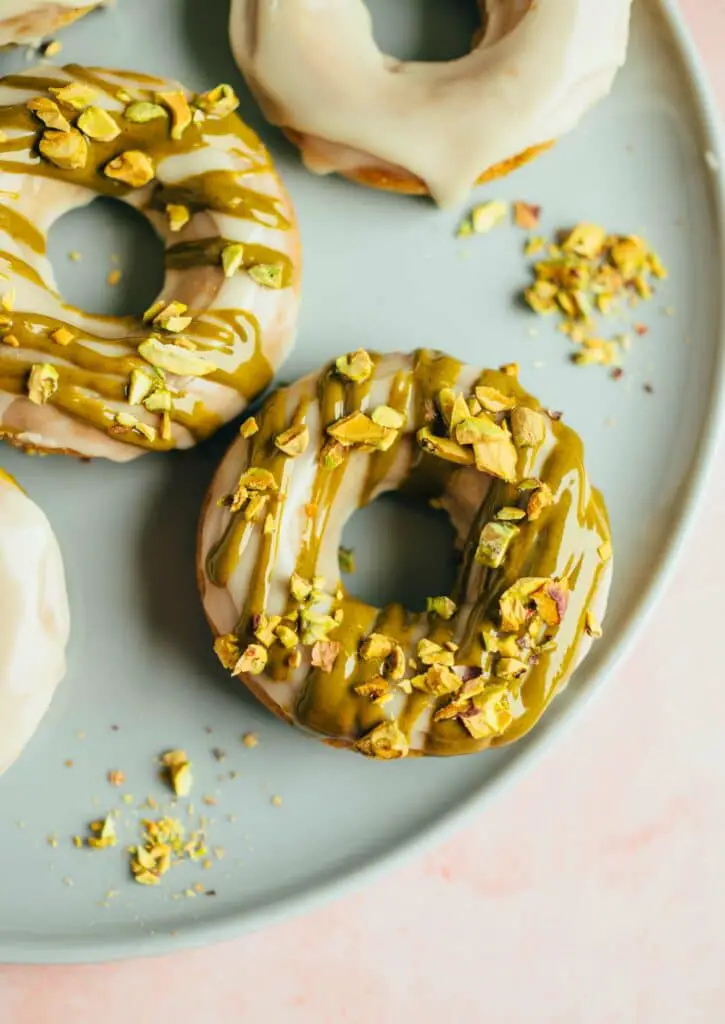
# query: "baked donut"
437,128
27,21
225,319
479,667
34,618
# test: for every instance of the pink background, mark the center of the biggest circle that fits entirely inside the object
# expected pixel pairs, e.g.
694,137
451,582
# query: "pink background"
593,892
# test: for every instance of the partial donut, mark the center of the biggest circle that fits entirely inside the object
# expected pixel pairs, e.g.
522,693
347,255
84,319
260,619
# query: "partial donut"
437,128
226,317
480,666
28,21
34,618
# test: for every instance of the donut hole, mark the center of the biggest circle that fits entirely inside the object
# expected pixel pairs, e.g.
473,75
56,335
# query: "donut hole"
425,30
403,552
110,237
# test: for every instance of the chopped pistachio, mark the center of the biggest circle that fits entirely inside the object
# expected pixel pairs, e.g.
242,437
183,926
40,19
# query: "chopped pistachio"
253,660
385,742
143,112
376,645
605,551
172,318
293,441
258,479
268,275
490,713
62,336
431,653
249,428
226,648
494,400
177,215
355,366
49,113
140,386
218,102
74,94
497,456
178,104
287,636
511,668
444,448
42,383
178,768
474,429
592,626
265,629
510,514
551,601
437,680
175,359
528,427
324,654
132,167
487,216
541,498
442,606
585,240
374,688
300,588
494,543
104,834
514,603
526,216
159,400
97,124
385,416
232,258
67,150
346,560
332,454
357,429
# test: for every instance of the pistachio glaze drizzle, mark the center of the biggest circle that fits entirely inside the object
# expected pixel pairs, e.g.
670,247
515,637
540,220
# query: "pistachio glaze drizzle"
561,541
91,371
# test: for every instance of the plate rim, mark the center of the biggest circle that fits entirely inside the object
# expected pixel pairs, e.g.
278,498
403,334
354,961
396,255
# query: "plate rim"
235,923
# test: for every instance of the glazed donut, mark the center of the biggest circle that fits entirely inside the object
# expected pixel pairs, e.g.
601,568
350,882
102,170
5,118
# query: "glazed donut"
434,128
27,21
479,667
35,618
118,386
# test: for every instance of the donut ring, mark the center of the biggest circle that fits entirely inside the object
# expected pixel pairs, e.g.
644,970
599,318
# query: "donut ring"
437,128
34,615
479,667
26,22
225,319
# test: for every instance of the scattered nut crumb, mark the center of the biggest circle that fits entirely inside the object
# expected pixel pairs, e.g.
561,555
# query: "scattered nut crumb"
116,778
250,739
276,800
114,277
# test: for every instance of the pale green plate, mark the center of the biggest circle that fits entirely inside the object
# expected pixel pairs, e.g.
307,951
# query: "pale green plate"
383,272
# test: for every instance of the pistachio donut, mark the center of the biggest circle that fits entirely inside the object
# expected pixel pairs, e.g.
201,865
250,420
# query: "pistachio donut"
437,128
34,619
226,316
479,667
27,21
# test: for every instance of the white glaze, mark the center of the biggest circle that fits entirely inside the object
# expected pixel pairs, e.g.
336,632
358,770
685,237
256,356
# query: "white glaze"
42,201
34,619
315,68
28,21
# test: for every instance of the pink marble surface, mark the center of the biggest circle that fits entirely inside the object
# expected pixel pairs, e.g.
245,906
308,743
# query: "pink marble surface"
592,893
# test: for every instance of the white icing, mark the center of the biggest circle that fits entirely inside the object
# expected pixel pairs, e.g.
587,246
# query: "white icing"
273,313
28,21
34,619
315,67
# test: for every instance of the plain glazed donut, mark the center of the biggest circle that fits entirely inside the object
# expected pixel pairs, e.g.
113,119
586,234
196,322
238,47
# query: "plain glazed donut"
481,665
437,128
27,21
34,619
226,317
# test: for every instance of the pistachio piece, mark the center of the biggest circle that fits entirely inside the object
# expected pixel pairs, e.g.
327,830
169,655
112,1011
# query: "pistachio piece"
585,240
473,429
528,427
494,400
75,95
178,768
358,429
385,742
489,714
316,627
499,643
62,336
67,150
551,601
395,663
253,660
172,318
97,124
43,382
265,629
541,498
226,648
294,440
332,454
511,668
249,428
258,479
346,560
437,680
526,216
178,104
355,366
232,258
175,359
605,551
132,167
324,655
143,112
377,645
140,386
218,102
300,588
385,416
49,113
488,215
442,606
268,275
444,448
159,400
497,456
431,653
177,215
374,689
494,543
510,514
515,603
287,636
591,625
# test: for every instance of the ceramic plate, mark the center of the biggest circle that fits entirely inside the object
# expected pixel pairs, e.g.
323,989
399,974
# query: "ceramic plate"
383,272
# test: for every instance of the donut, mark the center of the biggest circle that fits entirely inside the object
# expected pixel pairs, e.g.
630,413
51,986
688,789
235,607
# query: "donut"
225,319
35,618
27,21
427,128
478,667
